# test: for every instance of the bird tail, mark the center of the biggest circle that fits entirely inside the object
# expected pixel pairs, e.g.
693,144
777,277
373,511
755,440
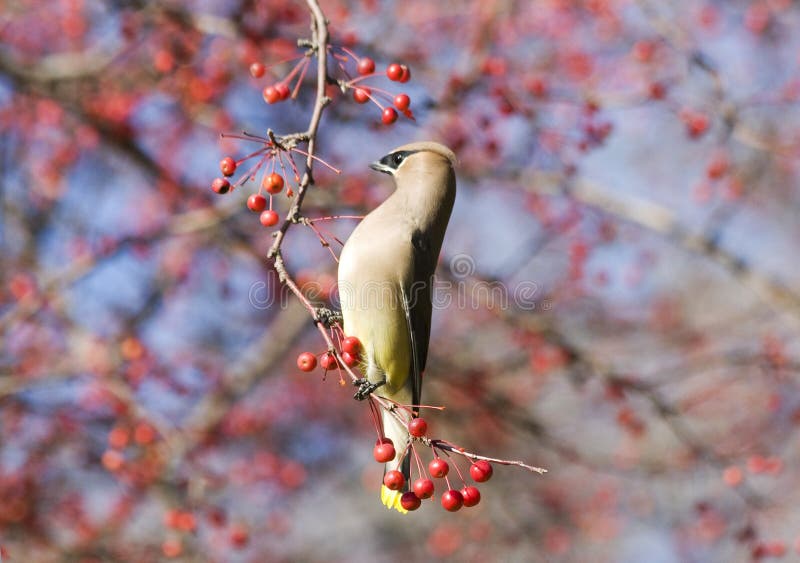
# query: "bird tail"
393,430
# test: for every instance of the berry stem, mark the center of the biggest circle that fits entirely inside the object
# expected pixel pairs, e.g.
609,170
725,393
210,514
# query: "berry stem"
300,80
317,159
447,446
249,175
455,464
280,162
420,470
375,415
350,83
252,154
302,64
284,61
293,166
350,53
319,232
334,217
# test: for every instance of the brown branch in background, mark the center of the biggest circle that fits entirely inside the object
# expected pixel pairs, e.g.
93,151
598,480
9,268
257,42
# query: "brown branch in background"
193,221
583,361
265,352
662,221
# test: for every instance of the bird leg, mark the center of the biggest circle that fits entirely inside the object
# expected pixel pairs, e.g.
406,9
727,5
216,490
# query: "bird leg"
327,317
365,388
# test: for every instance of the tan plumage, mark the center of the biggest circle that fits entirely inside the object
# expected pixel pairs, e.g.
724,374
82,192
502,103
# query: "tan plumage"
385,275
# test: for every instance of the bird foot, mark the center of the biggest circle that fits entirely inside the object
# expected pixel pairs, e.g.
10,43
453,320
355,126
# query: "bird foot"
327,317
365,388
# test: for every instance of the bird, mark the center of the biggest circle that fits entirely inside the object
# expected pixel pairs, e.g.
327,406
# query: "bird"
385,282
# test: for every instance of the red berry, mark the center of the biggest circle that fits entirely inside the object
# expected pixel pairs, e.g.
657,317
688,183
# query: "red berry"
471,495
221,185
282,90
351,345
361,95
452,500
228,166
366,66
217,517
239,535
118,437
328,361
402,101
257,70
171,518
271,95
268,218
644,50
394,480
384,451
144,434
657,91
718,167
406,74
537,86
410,501
481,471
438,468
394,72
417,427
273,183
423,488
349,359
306,361
257,203
171,548
389,116
696,122
186,521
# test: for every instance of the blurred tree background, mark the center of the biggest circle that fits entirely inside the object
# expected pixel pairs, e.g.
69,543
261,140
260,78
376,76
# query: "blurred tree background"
621,269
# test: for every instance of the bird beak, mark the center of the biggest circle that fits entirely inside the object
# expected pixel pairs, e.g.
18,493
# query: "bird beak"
380,167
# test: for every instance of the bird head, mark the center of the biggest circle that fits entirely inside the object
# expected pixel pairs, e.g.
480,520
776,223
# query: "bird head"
415,157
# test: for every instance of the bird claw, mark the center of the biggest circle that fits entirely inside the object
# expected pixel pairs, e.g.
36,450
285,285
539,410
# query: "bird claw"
365,388
327,317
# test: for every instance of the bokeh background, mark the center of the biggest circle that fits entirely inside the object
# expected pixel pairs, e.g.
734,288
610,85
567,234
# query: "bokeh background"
632,165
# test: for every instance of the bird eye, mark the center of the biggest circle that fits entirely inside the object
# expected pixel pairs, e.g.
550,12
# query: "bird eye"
398,158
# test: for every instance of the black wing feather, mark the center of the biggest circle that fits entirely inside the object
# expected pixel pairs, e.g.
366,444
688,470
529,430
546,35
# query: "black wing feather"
418,308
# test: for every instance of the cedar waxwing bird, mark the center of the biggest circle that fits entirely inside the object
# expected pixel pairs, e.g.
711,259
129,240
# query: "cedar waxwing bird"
385,283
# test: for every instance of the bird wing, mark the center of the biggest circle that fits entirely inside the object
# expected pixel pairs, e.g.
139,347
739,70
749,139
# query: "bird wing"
418,308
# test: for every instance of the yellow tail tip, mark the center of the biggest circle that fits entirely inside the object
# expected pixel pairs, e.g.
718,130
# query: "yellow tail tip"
391,499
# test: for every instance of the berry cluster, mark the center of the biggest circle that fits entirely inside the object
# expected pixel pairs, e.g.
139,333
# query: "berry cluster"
273,154
272,183
280,151
282,90
129,453
384,451
350,355
365,67
423,487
